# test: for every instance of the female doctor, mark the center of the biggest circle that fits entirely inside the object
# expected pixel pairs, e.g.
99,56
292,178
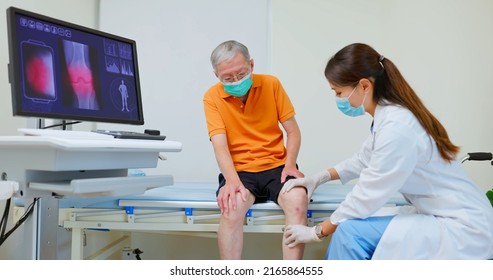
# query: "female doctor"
408,151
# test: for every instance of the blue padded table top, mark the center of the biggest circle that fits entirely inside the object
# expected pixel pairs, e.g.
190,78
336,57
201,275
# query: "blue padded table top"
202,192
193,191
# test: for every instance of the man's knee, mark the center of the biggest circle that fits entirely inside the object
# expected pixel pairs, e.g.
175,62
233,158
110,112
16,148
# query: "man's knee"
296,195
295,202
233,218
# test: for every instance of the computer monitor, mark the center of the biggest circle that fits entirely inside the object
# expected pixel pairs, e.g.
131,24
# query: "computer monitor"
60,70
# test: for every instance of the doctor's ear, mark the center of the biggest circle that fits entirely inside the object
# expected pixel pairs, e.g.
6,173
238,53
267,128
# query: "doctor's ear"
366,84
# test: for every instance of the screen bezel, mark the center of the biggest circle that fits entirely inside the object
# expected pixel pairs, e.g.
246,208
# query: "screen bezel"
15,72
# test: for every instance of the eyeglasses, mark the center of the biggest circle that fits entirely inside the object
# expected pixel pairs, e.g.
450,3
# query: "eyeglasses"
231,78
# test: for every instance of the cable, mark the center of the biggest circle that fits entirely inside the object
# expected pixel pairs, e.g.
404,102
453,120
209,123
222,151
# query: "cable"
3,223
24,217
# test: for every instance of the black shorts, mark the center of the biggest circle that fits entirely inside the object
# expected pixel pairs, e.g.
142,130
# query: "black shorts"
264,185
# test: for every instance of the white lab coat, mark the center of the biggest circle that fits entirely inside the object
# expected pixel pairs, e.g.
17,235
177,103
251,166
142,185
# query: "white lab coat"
449,217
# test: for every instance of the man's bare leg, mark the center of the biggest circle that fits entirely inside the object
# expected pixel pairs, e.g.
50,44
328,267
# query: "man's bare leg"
230,233
294,204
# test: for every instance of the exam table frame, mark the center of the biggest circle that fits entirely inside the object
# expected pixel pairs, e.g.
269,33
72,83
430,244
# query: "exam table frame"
178,216
171,216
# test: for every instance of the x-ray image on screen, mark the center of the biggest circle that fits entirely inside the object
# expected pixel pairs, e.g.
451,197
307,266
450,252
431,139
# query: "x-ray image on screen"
38,71
80,77
61,70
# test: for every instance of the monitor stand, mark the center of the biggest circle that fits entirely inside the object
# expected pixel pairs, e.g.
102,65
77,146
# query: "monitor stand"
40,123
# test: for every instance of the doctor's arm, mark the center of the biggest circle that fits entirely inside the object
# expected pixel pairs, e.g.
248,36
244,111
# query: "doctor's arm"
226,198
350,169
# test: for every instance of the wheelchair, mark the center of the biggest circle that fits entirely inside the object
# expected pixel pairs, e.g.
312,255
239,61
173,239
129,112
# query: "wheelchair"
481,156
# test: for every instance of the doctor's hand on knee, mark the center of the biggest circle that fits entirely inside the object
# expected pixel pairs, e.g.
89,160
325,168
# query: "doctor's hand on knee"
310,183
297,234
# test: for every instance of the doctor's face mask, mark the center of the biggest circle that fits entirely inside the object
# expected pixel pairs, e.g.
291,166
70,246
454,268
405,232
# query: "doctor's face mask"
345,106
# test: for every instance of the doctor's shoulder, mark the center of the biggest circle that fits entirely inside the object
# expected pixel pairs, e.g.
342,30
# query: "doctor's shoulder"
398,118
396,113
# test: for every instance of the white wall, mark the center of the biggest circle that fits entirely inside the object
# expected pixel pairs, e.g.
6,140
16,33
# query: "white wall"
444,55
443,48
174,43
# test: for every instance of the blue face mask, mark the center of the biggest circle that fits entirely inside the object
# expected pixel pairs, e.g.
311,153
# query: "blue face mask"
240,87
346,107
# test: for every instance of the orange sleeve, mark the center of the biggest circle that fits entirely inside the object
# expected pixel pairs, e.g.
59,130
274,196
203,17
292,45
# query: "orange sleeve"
215,124
284,105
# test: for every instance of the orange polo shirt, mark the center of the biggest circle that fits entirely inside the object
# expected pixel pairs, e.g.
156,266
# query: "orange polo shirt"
254,136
